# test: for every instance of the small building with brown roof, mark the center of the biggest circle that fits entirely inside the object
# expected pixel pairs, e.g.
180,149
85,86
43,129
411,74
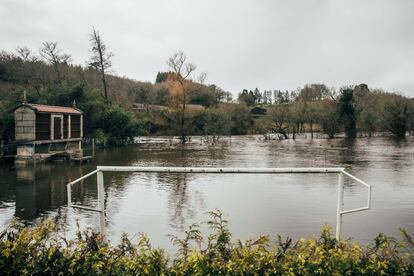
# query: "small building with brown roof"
42,130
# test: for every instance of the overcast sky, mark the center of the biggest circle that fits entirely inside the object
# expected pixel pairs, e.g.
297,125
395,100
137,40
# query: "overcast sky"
267,44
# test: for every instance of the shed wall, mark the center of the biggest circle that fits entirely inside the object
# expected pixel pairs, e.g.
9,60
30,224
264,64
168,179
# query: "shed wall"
25,120
42,126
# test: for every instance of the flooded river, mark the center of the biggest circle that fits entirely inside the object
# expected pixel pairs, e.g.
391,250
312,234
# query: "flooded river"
160,204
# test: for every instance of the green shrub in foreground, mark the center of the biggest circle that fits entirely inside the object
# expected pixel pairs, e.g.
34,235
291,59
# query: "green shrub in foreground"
39,251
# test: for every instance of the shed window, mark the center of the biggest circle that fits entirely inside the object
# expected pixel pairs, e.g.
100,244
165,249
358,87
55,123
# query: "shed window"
75,126
42,126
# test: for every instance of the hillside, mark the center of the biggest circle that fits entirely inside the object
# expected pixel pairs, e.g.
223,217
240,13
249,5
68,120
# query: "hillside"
36,76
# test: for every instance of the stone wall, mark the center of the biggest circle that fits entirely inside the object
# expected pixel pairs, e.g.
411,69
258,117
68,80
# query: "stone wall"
25,119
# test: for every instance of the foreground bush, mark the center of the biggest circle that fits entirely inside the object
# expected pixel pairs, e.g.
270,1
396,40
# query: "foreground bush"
39,251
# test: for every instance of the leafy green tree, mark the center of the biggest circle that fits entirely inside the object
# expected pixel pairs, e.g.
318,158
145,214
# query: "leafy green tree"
162,77
219,94
205,96
142,93
347,112
213,123
366,107
241,119
247,98
119,125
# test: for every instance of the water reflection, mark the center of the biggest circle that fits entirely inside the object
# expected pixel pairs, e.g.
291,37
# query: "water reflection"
41,188
178,199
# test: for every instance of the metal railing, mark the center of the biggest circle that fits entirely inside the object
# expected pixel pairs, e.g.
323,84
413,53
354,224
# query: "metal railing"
100,184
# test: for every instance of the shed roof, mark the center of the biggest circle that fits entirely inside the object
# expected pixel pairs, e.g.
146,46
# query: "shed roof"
54,109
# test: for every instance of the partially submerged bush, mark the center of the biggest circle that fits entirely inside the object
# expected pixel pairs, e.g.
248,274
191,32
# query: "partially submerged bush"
39,251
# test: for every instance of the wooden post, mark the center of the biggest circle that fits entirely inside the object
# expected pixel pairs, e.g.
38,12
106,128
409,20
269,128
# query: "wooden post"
2,149
93,147
69,127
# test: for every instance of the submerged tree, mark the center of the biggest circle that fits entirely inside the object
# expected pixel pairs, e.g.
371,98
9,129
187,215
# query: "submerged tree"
410,122
241,119
366,107
101,58
347,112
329,118
217,122
279,119
396,116
181,86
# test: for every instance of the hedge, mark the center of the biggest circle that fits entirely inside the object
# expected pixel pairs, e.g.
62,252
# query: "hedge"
41,251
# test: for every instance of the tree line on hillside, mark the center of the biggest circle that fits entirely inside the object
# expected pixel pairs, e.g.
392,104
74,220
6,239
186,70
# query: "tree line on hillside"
190,106
268,97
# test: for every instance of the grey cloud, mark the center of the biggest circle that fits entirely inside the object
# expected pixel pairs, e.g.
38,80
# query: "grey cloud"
240,44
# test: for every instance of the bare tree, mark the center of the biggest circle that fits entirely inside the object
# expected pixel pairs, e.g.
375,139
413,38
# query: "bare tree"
329,118
181,86
54,56
25,54
101,58
33,72
278,118
396,116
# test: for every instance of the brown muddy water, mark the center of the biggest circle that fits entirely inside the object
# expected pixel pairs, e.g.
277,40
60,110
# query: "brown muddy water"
161,204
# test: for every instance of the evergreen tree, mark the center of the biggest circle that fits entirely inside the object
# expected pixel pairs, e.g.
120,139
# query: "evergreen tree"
347,112
161,77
